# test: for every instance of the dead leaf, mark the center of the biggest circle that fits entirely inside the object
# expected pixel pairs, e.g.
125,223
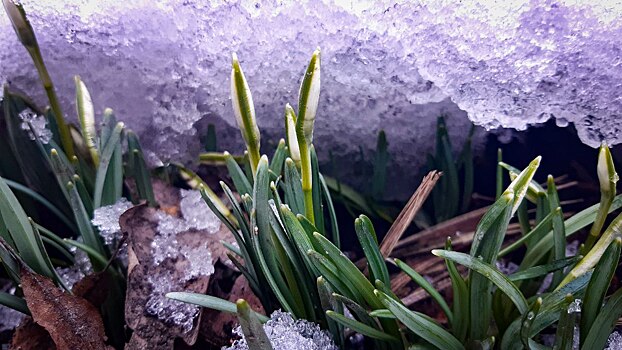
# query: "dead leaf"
30,336
71,321
93,288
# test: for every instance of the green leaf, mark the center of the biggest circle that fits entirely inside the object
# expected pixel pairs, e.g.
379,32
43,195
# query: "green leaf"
13,302
490,273
461,298
209,302
597,288
527,321
538,271
360,327
379,178
427,286
240,181
276,165
22,235
559,235
292,188
329,303
141,172
316,192
98,260
331,213
369,242
37,197
564,337
572,225
102,176
604,323
541,229
420,325
254,333
344,265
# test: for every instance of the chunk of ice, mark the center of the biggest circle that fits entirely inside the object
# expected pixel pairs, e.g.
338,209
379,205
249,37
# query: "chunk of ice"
614,342
285,333
106,219
35,125
168,310
196,212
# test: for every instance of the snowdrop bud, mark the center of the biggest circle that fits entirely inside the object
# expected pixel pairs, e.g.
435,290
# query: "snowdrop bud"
290,129
309,97
21,25
607,175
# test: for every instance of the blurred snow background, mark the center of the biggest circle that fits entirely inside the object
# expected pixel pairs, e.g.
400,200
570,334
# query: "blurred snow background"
395,65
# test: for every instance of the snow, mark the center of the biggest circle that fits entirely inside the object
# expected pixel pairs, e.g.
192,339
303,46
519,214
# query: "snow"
196,212
168,310
285,333
391,64
106,219
35,125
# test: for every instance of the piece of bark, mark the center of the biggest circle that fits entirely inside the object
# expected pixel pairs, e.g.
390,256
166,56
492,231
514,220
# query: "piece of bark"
71,321
30,336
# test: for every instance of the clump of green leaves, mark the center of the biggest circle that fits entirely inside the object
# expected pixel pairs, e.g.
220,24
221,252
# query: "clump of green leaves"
49,189
288,249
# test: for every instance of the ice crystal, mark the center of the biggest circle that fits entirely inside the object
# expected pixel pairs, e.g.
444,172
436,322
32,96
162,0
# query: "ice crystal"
76,272
35,125
196,212
106,219
168,310
285,333
9,318
506,267
575,306
614,342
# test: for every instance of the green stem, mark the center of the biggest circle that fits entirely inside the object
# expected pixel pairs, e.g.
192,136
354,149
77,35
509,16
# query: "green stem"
253,157
606,199
65,136
307,181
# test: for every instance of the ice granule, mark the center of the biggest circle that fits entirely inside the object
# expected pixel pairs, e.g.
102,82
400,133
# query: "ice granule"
196,212
575,306
285,333
9,318
168,310
506,267
35,125
614,342
106,219
166,245
76,272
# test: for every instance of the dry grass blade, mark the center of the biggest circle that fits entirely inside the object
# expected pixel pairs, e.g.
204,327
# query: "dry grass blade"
408,213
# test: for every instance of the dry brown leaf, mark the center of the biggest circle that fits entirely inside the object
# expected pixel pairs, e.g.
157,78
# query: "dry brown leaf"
30,336
71,321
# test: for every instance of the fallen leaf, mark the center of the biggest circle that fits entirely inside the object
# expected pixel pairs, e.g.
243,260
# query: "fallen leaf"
30,336
71,321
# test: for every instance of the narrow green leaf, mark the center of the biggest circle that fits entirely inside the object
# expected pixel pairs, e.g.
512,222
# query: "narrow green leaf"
292,188
276,165
565,327
461,298
252,328
599,283
604,323
329,303
379,178
240,181
427,286
98,260
420,325
369,242
13,302
527,321
490,273
316,192
21,232
331,213
105,161
360,327
499,182
209,302
141,172
541,229
538,271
